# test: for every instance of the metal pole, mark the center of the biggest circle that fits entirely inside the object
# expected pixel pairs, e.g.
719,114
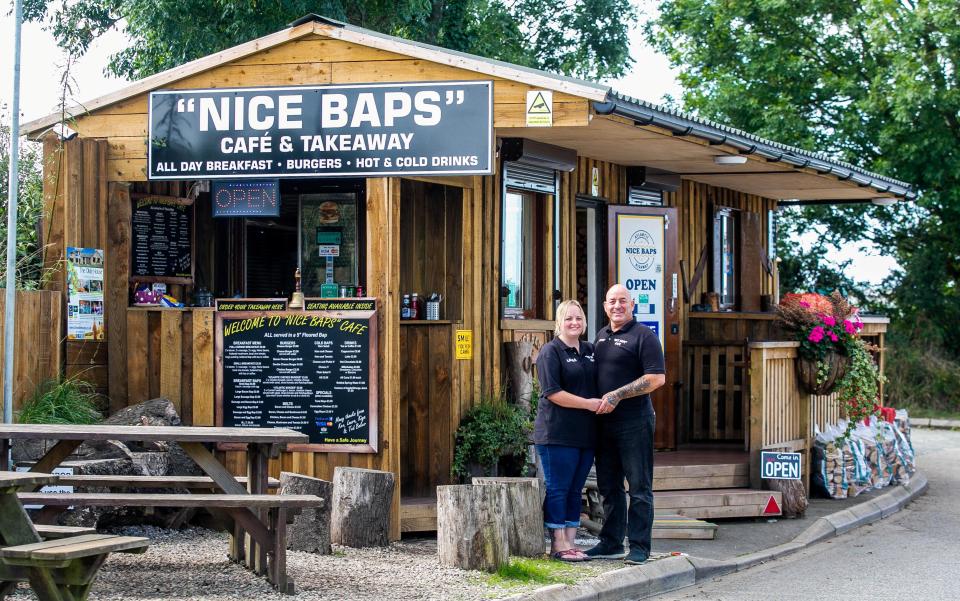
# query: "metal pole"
11,297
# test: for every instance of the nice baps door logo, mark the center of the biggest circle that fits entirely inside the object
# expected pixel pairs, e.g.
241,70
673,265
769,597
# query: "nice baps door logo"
641,250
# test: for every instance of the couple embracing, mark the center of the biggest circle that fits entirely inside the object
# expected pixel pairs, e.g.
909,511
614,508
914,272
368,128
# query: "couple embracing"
595,402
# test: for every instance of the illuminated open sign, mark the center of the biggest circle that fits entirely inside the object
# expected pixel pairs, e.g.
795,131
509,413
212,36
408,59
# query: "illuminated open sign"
246,198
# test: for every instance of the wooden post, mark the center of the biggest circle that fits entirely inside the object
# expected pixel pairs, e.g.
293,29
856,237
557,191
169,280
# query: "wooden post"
758,392
522,500
361,507
519,371
471,534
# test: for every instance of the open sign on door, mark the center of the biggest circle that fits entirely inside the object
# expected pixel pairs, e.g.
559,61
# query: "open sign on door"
779,466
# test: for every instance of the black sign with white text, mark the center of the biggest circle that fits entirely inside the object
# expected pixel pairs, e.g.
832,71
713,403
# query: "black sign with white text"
320,131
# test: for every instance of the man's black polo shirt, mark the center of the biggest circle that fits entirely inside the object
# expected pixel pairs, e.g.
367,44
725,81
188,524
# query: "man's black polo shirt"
560,367
622,357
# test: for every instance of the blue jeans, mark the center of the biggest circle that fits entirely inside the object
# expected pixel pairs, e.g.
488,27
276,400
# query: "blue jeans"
625,451
565,470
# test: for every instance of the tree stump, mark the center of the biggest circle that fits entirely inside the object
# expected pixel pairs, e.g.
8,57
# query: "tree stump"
794,497
522,500
361,507
518,367
471,533
310,530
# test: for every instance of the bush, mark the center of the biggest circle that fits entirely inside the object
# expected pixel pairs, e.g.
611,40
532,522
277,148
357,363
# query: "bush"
490,431
64,401
921,374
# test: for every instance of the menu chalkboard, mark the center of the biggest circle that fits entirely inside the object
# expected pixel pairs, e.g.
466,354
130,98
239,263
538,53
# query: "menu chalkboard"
310,371
162,239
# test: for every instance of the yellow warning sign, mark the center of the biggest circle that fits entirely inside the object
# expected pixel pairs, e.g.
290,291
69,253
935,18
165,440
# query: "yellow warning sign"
464,344
539,108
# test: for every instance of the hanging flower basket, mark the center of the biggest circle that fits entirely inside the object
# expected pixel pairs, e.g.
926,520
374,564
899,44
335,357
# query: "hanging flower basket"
836,365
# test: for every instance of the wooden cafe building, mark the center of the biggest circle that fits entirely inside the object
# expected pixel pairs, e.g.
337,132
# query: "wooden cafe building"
380,167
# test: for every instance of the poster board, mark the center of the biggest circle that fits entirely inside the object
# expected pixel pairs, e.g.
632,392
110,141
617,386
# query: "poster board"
161,239
311,371
84,293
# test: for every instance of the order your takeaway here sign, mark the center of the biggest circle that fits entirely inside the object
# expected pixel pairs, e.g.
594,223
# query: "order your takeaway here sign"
297,131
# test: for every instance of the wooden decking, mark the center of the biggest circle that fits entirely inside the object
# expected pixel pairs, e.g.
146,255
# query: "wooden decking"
697,481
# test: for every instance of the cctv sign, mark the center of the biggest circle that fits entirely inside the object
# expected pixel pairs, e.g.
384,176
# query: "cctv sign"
441,128
779,466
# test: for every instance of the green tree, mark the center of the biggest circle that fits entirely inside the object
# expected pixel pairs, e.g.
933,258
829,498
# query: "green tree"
870,82
29,209
586,38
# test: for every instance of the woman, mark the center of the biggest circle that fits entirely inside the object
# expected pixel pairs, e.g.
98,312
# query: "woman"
564,428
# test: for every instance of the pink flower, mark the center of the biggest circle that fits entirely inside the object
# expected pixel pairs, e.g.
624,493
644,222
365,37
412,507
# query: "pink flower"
829,320
833,337
804,304
816,334
859,325
848,327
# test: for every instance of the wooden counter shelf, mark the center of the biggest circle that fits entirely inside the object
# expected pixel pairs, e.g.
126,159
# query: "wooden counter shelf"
427,322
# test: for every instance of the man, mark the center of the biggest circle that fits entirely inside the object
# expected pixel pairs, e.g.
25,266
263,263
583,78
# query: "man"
629,364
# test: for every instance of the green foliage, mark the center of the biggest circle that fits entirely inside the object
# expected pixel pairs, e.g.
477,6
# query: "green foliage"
872,83
64,401
587,39
922,375
858,391
490,430
29,209
524,570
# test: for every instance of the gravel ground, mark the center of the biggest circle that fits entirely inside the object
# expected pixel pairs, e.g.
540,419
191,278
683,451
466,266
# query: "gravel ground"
192,564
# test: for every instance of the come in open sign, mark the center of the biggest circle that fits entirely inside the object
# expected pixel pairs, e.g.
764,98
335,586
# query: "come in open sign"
779,466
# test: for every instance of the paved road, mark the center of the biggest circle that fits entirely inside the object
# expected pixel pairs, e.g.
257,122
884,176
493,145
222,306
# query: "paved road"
914,554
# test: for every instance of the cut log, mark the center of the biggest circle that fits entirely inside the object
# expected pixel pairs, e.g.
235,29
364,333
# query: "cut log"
795,502
310,530
522,500
518,366
361,507
471,533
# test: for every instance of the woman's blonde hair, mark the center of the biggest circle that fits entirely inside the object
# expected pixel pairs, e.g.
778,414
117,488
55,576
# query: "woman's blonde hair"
562,309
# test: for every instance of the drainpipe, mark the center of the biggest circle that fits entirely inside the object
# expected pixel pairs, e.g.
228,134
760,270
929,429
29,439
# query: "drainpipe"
11,296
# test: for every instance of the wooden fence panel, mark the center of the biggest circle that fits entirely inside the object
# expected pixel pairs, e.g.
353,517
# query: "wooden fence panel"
38,346
716,390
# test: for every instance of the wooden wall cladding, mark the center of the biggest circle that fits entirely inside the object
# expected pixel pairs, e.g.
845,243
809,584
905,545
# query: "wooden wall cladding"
431,244
39,352
426,395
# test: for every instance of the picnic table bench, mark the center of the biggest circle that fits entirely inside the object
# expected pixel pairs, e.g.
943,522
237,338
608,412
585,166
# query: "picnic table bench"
60,569
257,520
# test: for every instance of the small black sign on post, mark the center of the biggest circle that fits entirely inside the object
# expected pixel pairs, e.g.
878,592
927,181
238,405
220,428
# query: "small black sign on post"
246,198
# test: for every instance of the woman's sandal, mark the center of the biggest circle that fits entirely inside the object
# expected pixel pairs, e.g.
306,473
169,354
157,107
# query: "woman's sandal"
570,555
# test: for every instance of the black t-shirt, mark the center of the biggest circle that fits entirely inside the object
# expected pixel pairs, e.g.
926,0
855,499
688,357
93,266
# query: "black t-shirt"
622,357
560,367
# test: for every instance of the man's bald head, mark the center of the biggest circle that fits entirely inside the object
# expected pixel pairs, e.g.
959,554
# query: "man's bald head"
618,305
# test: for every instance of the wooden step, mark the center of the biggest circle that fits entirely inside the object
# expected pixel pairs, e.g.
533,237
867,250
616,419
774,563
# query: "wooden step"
418,514
682,527
693,477
717,503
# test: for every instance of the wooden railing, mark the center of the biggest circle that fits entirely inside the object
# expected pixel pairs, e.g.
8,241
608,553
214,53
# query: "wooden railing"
38,340
780,412
716,387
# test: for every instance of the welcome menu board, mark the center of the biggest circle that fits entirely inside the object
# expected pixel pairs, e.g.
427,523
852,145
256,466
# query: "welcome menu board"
161,242
310,371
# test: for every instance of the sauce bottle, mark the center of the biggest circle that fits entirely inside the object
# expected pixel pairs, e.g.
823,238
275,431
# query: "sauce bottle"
405,307
415,307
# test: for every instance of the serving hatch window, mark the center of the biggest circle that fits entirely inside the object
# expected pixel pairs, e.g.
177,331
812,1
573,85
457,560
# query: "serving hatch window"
328,240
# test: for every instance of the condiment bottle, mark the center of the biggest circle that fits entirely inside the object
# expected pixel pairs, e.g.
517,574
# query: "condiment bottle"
414,306
359,290
405,307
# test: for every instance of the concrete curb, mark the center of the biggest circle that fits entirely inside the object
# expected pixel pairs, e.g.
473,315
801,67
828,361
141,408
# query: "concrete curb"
672,573
935,424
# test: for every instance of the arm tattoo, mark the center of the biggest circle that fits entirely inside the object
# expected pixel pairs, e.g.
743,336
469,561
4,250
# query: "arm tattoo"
638,387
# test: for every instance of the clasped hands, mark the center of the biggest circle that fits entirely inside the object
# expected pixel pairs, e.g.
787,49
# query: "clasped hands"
602,406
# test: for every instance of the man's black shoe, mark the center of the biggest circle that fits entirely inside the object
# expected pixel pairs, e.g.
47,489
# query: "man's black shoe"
604,552
635,558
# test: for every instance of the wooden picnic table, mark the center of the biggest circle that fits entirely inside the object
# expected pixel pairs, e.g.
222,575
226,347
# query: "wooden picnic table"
251,524
61,569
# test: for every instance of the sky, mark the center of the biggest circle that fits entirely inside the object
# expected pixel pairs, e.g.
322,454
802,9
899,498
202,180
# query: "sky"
42,65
